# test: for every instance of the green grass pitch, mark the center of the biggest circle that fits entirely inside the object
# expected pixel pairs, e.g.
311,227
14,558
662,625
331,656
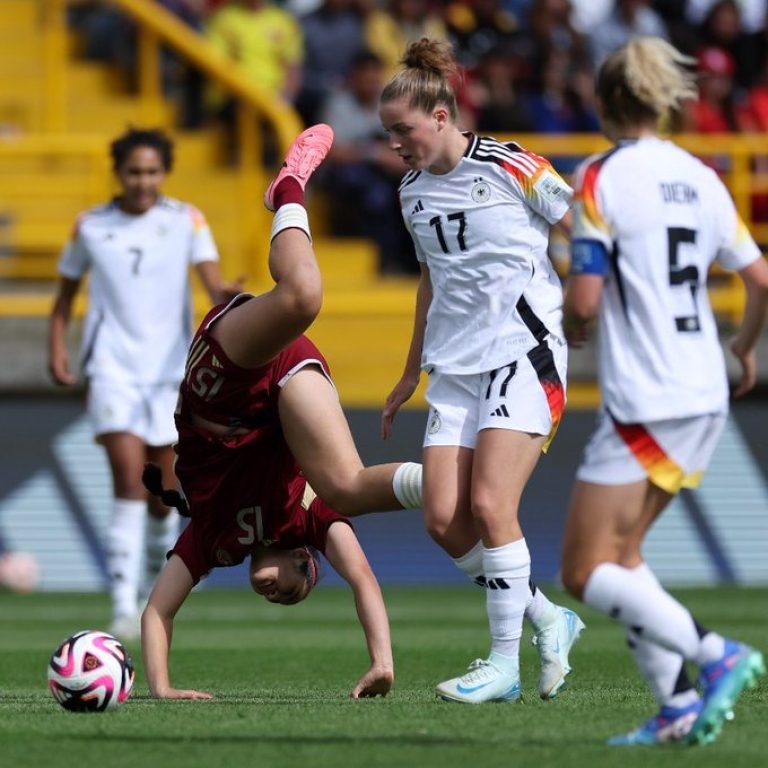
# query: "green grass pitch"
281,677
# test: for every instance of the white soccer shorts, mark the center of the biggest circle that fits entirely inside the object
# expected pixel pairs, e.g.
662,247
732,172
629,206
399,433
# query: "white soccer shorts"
527,395
140,409
672,454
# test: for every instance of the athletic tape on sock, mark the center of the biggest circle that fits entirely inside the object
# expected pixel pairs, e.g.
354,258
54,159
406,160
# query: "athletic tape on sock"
290,216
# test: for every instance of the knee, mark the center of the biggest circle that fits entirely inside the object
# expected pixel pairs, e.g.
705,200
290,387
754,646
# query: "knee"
306,298
436,527
341,495
495,520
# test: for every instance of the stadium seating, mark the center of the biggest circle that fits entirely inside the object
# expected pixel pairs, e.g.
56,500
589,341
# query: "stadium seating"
57,115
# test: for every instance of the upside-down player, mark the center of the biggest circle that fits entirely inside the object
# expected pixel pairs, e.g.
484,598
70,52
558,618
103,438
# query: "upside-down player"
265,457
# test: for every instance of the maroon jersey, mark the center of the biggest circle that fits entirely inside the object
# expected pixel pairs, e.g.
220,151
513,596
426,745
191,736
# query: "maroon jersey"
247,487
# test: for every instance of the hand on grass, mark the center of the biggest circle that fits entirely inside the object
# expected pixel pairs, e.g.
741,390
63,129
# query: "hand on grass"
176,693
376,682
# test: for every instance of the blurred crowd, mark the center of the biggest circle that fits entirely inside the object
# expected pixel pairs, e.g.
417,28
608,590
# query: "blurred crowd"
528,65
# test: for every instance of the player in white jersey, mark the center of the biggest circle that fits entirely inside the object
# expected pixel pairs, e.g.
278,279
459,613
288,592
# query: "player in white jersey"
488,332
137,250
649,221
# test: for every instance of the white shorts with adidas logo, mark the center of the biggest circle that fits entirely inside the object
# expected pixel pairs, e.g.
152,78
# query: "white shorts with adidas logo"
528,395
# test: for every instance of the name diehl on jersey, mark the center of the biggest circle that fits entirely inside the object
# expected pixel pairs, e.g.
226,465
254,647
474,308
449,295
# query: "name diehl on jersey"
678,192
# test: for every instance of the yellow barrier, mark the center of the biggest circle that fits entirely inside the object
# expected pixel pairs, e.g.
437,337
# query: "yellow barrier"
158,27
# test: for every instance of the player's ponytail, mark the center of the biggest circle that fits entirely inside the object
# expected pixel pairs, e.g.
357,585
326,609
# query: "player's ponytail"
425,80
643,81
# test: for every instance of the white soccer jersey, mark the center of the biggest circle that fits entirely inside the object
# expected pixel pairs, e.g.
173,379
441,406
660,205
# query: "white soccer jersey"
662,217
483,230
138,324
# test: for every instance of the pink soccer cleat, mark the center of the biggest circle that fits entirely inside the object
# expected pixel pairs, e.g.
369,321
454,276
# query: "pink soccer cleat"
306,153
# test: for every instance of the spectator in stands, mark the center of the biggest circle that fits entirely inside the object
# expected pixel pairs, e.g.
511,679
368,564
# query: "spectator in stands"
495,93
716,109
561,97
109,35
389,29
551,28
138,249
265,40
362,174
106,34
722,27
333,36
479,27
629,19
182,81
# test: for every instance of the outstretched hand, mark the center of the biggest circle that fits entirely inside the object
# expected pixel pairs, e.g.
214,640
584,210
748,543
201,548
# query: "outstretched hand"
177,693
375,682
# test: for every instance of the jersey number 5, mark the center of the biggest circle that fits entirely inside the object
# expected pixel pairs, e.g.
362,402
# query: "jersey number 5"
682,276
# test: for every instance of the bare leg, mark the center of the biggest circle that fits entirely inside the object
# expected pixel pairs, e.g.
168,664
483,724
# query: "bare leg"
318,435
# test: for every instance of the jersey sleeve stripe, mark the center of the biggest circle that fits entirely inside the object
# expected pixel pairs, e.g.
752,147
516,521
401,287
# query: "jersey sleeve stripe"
587,195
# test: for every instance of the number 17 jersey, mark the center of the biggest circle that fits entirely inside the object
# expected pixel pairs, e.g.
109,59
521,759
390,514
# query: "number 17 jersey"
483,230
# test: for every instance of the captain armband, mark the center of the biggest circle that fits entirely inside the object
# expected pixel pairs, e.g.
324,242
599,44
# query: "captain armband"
588,257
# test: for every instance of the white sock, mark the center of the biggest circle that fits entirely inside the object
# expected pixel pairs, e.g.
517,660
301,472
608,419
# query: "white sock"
290,216
540,611
662,669
472,563
125,542
507,570
406,485
642,604
161,535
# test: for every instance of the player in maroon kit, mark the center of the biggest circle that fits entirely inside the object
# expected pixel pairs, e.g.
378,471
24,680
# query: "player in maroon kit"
265,457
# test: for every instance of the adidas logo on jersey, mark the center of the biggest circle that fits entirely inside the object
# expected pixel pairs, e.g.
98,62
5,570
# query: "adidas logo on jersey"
417,208
500,411
215,362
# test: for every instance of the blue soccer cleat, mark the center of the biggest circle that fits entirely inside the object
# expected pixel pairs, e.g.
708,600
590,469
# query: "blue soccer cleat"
671,724
722,682
483,681
554,644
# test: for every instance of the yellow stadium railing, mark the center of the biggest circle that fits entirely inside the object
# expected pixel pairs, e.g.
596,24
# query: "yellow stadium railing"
156,28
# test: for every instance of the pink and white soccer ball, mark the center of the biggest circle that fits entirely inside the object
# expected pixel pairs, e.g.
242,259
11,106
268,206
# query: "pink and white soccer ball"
90,672
19,572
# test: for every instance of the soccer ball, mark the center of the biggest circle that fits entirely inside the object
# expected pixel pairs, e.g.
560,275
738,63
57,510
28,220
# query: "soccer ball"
90,672
19,572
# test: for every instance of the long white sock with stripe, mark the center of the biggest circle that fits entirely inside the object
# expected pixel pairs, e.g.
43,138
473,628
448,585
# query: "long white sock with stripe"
507,570
539,609
125,544
646,607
